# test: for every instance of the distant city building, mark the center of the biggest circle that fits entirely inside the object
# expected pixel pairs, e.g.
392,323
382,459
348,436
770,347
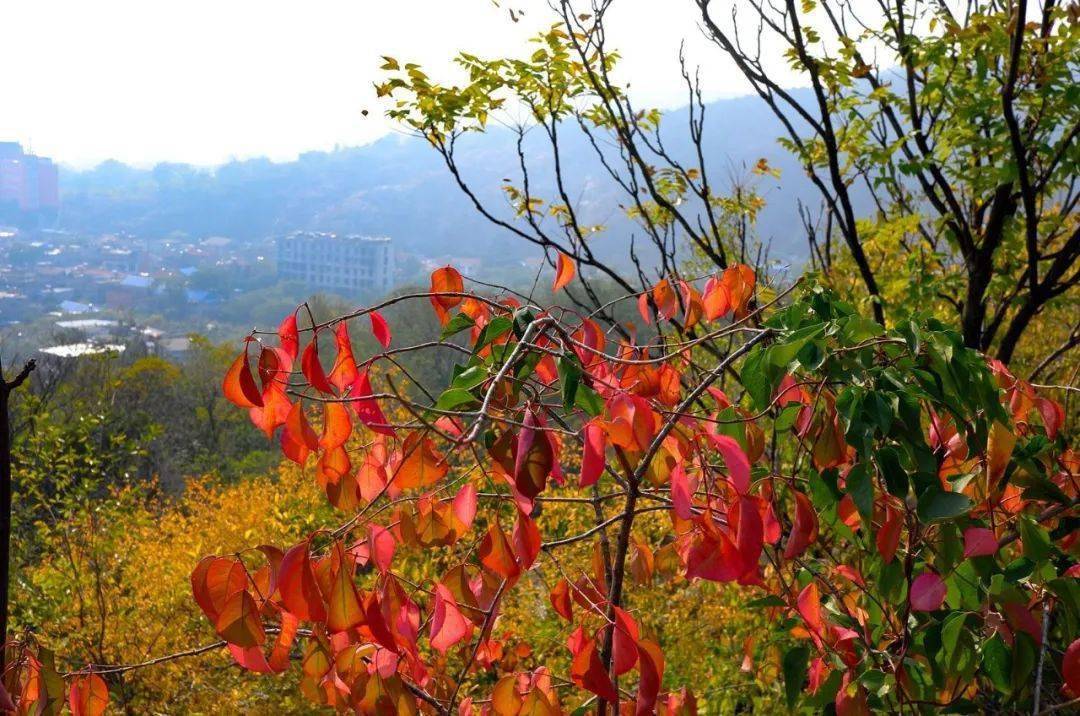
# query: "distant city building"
344,264
29,185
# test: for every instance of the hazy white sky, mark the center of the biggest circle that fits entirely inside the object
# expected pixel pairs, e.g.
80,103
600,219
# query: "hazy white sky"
203,81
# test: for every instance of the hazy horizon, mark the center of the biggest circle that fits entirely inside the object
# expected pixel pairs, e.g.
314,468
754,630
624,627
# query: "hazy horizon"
205,83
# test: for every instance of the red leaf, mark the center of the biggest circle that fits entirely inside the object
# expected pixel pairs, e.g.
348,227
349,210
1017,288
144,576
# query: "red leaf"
496,555
888,537
587,671
312,368
526,539
382,545
239,384
624,642
366,407
1053,415
681,498
564,274
715,558
592,456
851,698
380,328
533,457
560,600
1070,668
979,542
927,592
448,625
735,459
750,537
297,585
288,337
652,676
804,529
88,695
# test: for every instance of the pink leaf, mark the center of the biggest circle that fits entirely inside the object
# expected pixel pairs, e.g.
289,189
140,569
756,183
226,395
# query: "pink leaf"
927,592
735,459
979,542
465,505
448,625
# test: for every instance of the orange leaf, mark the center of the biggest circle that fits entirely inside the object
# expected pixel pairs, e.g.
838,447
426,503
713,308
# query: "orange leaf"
809,605
888,537
296,583
336,425
239,384
344,371
443,281
88,695
421,464
560,600
239,623
213,581
496,555
565,272
587,671
344,608
739,281
717,299
999,447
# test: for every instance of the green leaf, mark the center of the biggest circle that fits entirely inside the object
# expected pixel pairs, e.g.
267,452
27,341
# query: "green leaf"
787,417
588,400
896,480
936,504
765,602
457,324
495,328
860,485
795,666
570,378
1036,541
997,663
470,377
454,398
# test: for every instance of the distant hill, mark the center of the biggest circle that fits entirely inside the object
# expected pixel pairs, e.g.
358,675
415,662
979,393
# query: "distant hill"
398,187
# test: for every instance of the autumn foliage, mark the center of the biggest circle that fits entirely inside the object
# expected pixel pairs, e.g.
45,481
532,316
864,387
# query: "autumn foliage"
907,528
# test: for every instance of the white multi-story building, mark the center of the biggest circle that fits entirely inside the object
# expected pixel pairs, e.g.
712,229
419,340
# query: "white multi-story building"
344,264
